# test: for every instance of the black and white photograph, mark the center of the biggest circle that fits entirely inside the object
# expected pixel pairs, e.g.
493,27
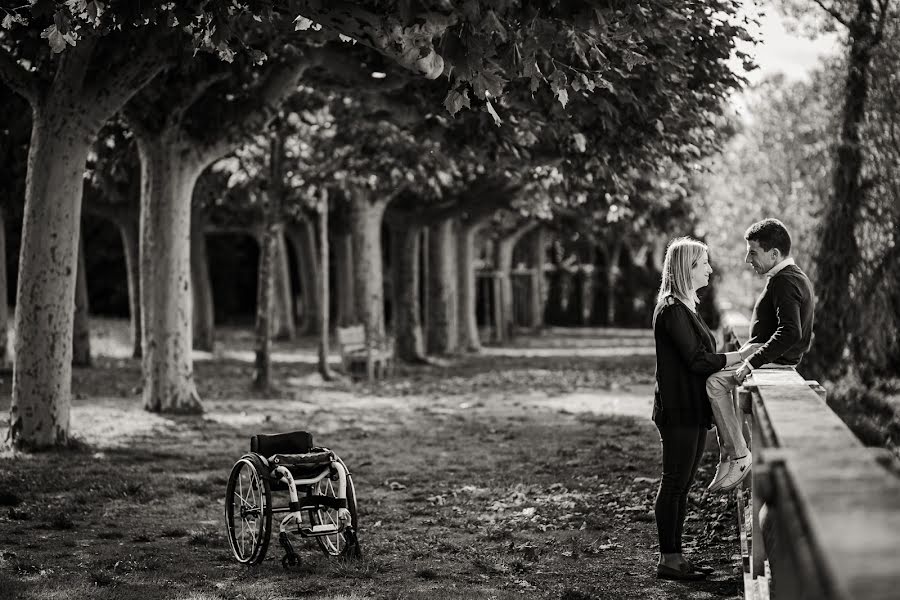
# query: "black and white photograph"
436,299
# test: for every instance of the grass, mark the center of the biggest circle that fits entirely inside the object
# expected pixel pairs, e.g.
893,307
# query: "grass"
473,481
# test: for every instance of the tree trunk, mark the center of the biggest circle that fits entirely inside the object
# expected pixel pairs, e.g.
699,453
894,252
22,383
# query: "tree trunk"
283,323
612,279
4,282
365,219
45,295
589,286
538,259
265,284
503,255
201,283
81,326
346,283
130,233
405,250
167,182
303,238
467,322
323,286
442,333
838,253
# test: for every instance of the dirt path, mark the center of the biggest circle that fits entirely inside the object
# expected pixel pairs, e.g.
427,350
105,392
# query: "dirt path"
496,477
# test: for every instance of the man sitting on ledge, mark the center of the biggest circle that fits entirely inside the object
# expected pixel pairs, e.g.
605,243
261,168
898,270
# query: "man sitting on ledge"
781,327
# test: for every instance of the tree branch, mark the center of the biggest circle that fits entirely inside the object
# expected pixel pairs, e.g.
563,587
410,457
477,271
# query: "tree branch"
411,47
261,108
120,83
833,11
882,19
25,83
195,93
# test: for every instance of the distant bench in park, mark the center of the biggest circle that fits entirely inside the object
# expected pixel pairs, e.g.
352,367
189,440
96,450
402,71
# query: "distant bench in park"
824,516
376,356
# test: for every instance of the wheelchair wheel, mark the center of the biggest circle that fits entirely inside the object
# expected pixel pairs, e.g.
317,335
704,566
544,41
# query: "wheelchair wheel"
248,512
344,543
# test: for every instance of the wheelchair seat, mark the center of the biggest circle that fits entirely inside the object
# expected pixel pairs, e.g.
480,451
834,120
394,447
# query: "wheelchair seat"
316,457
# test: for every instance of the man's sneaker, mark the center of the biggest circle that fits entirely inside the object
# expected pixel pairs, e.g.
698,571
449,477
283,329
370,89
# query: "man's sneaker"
722,470
740,468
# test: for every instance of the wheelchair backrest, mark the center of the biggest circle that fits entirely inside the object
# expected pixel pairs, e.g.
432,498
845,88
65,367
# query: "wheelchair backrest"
294,442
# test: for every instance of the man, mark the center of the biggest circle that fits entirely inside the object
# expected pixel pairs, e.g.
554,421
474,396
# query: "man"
780,329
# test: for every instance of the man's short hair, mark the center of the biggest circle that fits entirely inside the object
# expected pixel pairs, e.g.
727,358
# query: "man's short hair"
770,233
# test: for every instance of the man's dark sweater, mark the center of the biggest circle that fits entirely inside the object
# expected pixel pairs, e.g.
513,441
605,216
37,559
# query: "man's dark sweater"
783,318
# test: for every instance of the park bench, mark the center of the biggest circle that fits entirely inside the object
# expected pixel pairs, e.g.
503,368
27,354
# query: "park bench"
823,516
375,356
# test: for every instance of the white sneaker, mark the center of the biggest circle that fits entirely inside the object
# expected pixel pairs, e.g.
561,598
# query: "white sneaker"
740,468
722,471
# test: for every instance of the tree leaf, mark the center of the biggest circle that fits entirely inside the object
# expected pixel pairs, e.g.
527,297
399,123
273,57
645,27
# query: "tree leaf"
55,38
490,108
633,58
455,101
301,23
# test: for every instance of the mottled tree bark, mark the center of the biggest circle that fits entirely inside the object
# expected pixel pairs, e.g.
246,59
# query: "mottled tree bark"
81,326
613,272
167,180
45,296
538,260
4,283
442,332
405,251
346,282
67,115
324,291
130,233
201,284
283,322
503,259
303,239
469,339
365,222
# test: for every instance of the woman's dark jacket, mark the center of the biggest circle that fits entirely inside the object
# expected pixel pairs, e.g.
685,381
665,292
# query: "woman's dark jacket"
685,357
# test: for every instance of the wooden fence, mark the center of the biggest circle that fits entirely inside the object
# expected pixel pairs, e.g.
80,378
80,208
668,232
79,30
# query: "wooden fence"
822,520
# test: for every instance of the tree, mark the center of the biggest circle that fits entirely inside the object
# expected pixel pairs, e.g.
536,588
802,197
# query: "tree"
70,102
839,254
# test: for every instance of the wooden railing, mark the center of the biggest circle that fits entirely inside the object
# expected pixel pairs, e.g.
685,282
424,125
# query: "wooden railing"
822,520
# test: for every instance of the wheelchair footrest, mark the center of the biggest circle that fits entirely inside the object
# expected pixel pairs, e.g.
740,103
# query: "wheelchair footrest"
319,530
317,501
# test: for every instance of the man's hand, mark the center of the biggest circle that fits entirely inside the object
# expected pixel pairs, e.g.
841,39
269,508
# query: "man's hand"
741,373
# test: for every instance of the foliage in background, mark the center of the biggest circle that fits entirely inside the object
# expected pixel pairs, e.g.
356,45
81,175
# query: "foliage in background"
778,165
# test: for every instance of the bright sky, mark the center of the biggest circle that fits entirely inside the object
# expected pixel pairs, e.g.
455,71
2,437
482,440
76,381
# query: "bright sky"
784,51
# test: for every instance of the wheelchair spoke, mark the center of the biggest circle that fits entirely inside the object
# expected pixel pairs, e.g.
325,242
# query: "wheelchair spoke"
248,512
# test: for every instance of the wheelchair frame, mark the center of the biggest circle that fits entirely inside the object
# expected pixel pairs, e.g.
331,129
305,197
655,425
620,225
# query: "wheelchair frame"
289,461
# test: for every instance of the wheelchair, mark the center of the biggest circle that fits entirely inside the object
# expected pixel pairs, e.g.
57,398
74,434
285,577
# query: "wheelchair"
321,500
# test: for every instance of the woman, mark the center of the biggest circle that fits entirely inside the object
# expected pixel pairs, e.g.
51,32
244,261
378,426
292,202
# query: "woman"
685,357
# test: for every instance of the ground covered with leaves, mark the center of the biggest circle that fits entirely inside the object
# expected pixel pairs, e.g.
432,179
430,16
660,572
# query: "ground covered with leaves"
487,477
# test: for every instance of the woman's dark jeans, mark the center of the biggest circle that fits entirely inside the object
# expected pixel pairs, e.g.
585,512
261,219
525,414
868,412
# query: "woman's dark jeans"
682,450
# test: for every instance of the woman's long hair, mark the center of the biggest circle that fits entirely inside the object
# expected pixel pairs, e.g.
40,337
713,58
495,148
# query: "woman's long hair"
682,255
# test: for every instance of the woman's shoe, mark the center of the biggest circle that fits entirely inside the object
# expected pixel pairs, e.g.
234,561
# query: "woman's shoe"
699,567
682,574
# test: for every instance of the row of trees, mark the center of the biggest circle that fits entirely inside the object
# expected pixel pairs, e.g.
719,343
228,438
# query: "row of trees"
584,109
